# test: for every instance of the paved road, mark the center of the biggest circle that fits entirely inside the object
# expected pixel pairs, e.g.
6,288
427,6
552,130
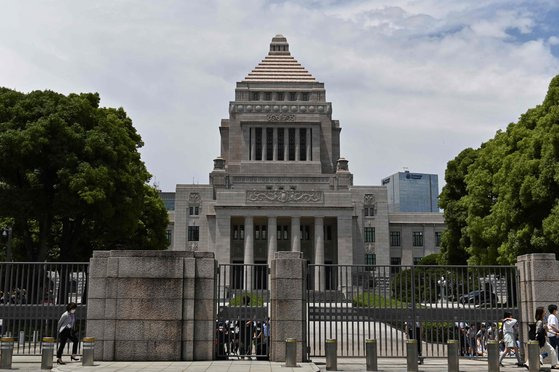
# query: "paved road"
32,363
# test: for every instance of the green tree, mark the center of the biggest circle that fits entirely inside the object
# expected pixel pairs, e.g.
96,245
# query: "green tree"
71,178
510,203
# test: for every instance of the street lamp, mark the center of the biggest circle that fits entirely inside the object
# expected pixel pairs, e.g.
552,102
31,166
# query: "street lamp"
7,233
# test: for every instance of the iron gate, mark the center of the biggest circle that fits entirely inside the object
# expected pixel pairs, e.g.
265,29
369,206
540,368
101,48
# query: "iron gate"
242,309
33,296
432,304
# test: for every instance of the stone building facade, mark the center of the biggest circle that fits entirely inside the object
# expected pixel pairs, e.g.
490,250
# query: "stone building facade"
280,183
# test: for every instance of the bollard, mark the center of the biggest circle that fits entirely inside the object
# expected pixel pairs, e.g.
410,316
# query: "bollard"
492,356
6,352
371,354
88,350
47,352
533,356
411,349
331,355
452,351
291,352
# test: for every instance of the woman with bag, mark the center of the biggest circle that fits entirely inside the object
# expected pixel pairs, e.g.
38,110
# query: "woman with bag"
541,337
65,330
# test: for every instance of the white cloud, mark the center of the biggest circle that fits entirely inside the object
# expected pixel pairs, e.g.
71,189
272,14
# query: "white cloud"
412,82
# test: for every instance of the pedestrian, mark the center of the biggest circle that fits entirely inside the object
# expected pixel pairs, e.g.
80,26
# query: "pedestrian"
66,331
541,336
553,327
509,329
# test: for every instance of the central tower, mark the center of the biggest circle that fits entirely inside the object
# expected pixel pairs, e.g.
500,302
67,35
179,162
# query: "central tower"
280,129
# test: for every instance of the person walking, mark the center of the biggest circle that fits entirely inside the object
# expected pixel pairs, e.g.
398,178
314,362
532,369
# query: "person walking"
509,338
553,327
65,330
541,336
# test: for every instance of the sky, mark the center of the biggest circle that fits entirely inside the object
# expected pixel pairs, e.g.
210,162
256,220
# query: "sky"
412,83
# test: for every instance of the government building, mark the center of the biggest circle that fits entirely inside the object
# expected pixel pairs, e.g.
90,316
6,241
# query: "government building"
280,183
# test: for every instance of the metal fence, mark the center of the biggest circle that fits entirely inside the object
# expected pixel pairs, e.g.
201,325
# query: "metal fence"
33,296
391,304
242,308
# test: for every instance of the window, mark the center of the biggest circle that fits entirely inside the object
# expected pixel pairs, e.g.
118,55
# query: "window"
394,238
267,96
258,143
280,143
269,144
418,238
283,232
302,144
305,232
242,232
168,235
369,234
416,260
280,96
194,210
437,238
328,232
260,232
370,259
304,97
257,232
292,96
369,211
255,96
193,233
292,144
395,262
263,232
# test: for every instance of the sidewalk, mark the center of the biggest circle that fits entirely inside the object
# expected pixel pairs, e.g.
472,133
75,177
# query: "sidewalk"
33,363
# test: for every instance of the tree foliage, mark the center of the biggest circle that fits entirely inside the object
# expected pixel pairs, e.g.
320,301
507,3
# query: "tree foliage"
71,178
502,200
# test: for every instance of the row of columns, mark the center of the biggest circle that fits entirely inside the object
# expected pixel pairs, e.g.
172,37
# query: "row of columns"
320,276
308,148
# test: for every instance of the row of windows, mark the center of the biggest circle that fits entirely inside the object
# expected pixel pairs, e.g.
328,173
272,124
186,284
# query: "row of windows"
283,152
279,96
417,239
260,232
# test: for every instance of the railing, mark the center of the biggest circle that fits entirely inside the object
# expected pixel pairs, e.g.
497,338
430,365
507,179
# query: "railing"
33,296
242,308
391,304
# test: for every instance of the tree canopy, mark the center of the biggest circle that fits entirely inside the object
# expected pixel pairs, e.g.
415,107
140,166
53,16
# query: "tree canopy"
502,200
71,178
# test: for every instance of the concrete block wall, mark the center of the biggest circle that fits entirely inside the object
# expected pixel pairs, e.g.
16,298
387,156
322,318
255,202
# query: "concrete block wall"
152,305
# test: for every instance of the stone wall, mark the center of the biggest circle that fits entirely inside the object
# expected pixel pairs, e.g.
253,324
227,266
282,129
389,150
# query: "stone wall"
539,284
152,305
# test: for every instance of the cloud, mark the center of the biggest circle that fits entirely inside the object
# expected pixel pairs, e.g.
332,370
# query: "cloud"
412,82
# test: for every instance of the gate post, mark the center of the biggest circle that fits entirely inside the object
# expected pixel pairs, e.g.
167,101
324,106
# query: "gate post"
288,304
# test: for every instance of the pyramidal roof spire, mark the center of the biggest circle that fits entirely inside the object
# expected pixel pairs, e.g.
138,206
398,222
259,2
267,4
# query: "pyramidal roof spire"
279,65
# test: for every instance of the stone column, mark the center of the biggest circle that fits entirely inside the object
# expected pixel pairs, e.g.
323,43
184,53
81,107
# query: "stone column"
287,303
264,143
345,249
308,144
296,234
272,238
297,144
249,251
285,144
252,144
320,273
275,133
538,285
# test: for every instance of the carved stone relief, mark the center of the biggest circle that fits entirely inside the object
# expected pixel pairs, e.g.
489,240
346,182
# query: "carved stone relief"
284,196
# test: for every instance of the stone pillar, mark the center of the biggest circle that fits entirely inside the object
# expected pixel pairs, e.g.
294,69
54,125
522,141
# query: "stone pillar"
308,144
130,316
320,273
272,238
287,303
297,144
264,143
345,249
252,144
538,285
296,234
275,133
285,144
249,251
